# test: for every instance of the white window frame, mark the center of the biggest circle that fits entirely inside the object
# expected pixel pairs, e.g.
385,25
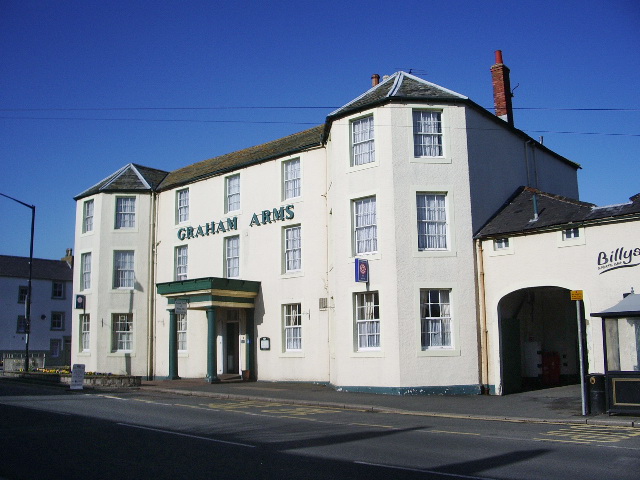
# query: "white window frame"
571,233
365,225
501,243
367,321
292,324
57,321
428,140
87,216
122,332
363,150
292,248
125,213
181,262
85,271
575,238
433,232
436,319
182,205
232,193
232,256
124,269
291,179
182,323
85,332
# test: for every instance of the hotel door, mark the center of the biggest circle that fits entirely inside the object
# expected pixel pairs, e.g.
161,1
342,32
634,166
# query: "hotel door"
232,348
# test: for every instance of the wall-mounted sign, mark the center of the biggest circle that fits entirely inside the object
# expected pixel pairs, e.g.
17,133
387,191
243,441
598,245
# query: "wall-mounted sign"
81,301
362,270
576,295
265,343
231,223
181,306
618,258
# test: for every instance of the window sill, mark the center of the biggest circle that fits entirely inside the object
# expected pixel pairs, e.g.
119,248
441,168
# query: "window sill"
293,274
292,355
364,166
430,160
439,352
368,354
434,253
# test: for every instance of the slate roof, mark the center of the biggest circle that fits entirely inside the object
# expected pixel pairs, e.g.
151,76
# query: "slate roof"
43,269
281,147
554,212
400,86
130,178
629,306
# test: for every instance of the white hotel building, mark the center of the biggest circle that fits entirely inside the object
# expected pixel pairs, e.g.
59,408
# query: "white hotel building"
259,248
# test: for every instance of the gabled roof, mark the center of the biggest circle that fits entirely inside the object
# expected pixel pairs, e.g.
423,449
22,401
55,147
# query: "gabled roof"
43,269
400,86
517,216
289,145
130,178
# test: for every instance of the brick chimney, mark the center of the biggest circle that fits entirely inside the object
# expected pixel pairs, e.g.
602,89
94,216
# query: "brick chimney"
502,89
375,79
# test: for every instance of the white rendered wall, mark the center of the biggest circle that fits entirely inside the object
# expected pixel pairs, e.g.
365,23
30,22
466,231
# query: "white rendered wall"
261,259
398,270
102,299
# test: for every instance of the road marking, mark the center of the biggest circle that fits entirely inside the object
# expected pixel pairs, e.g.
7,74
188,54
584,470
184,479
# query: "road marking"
422,470
186,435
592,434
453,433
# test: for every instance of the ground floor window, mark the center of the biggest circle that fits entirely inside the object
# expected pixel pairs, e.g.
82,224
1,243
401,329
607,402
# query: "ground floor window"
367,320
122,332
182,331
85,332
292,327
435,319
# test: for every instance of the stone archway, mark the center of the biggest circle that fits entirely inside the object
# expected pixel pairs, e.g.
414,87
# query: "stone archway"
538,339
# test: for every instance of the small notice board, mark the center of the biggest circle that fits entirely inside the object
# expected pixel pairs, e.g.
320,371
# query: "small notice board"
77,376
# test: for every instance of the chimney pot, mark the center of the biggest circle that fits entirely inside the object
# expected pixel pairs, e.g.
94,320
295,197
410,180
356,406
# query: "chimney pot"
499,56
375,79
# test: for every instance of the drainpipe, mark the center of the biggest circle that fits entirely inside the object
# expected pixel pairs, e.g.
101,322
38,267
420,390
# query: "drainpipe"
151,293
482,319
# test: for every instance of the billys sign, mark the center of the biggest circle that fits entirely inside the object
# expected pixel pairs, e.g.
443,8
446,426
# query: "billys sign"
618,258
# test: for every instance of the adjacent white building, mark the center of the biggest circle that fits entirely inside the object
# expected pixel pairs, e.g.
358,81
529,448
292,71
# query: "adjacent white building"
537,250
259,248
50,315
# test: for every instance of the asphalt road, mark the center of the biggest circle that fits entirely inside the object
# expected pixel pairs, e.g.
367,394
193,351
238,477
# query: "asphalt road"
51,433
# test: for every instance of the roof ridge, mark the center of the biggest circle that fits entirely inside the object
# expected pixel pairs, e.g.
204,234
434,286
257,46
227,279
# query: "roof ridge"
427,82
375,87
560,198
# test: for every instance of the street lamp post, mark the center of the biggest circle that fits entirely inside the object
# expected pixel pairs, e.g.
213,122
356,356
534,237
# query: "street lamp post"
27,313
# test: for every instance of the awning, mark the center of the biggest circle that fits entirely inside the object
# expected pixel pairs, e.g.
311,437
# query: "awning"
629,306
203,293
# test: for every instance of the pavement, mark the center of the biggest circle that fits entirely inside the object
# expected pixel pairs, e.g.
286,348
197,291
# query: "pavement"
551,405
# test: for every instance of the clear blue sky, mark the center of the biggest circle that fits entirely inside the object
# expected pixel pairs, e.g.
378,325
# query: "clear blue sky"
89,86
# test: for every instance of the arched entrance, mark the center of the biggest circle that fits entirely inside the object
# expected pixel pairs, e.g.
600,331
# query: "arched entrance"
538,339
